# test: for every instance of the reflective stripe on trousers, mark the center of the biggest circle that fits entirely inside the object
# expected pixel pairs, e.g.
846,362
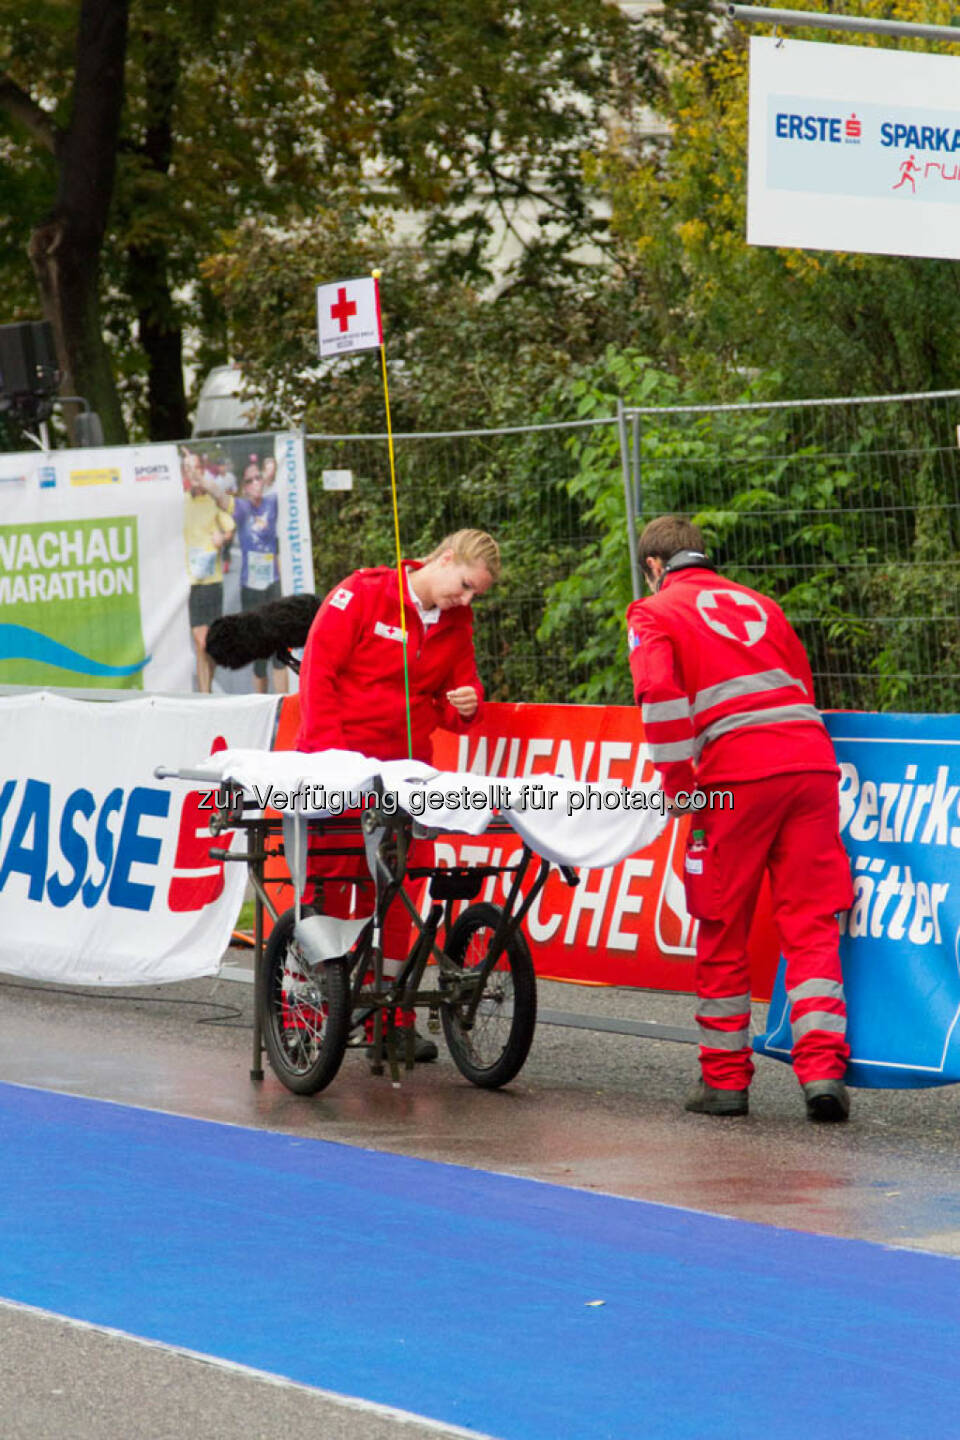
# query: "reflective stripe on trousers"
817,1004
724,1021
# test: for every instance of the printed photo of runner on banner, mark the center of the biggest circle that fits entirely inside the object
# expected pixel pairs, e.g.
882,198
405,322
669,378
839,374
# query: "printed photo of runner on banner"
115,561
247,539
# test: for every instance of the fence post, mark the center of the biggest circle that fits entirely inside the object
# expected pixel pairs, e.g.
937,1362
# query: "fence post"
637,469
628,500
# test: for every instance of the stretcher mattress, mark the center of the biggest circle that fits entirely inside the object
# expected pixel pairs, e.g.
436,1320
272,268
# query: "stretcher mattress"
569,822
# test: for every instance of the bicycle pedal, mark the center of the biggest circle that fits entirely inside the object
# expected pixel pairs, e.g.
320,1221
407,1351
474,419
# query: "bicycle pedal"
433,1021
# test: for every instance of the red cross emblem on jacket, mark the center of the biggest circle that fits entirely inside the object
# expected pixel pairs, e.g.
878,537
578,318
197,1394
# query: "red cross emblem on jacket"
733,613
723,683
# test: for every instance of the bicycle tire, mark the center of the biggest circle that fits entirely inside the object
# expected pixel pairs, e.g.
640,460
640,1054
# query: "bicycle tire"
305,1017
493,1051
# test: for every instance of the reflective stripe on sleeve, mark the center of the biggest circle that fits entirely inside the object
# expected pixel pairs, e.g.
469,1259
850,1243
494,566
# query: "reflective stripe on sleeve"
775,715
819,1020
744,685
679,750
724,1039
816,990
719,1007
665,710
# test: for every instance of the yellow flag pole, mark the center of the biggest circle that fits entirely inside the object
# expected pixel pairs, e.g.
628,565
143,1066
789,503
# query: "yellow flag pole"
396,525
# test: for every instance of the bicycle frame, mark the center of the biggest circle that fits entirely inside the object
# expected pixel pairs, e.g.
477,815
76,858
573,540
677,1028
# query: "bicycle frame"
391,834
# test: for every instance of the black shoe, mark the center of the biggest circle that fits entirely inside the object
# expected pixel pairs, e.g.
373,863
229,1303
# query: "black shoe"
423,1049
706,1099
828,1101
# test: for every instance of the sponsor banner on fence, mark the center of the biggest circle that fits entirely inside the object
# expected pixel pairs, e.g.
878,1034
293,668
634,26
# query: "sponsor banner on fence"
106,876
900,941
625,925
108,556
853,148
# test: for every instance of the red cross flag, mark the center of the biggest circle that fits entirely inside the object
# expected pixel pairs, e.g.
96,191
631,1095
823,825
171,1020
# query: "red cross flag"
348,316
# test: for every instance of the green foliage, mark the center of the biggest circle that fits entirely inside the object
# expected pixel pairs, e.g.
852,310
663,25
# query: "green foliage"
829,324
858,543
246,119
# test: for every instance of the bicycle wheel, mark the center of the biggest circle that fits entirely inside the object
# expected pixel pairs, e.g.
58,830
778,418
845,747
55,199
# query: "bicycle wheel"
493,1050
305,1013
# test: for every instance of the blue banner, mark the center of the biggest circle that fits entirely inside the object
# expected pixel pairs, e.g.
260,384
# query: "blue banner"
900,941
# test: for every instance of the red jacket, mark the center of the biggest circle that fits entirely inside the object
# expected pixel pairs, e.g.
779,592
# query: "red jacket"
351,677
724,684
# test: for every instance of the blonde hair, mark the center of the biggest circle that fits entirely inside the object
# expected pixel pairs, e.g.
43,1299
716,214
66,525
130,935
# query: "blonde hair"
470,547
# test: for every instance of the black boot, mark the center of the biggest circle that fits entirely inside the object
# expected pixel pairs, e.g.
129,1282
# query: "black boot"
828,1101
706,1099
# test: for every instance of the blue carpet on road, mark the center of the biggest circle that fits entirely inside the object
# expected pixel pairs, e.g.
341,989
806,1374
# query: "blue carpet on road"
465,1296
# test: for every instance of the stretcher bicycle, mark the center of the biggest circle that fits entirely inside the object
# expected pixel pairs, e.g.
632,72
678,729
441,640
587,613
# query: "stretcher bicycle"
472,973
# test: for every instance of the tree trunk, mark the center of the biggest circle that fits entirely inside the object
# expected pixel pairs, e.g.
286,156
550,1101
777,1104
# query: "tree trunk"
65,249
68,275
161,338
148,264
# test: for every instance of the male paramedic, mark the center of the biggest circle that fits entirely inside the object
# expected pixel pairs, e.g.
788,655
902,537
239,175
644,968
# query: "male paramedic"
352,691
726,695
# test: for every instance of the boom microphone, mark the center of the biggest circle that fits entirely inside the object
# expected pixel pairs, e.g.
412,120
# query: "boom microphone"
272,629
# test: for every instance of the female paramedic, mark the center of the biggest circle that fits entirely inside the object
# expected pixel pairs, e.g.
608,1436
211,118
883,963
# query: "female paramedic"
352,691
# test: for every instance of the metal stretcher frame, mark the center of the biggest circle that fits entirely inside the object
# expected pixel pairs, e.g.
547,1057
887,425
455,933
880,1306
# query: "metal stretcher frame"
461,990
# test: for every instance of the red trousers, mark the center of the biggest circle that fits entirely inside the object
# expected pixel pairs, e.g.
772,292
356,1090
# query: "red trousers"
787,825
347,887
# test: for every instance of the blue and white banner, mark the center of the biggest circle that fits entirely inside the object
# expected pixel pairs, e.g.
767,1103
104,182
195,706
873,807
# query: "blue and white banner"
106,875
853,148
900,942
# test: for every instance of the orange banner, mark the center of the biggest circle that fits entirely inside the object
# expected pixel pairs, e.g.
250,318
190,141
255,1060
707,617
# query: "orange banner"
625,925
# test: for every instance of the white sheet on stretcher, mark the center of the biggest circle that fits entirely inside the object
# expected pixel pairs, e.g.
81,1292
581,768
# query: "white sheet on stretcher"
581,824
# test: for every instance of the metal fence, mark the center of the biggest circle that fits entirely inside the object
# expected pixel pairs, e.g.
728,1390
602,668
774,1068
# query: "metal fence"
520,485
847,512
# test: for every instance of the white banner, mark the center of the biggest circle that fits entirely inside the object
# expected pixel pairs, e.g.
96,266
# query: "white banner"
106,555
106,876
853,148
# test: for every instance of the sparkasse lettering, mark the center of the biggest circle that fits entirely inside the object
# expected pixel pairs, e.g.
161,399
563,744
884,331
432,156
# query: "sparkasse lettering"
94,849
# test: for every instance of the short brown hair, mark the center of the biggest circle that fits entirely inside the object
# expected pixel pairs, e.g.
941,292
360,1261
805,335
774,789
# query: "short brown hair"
666,535
470,547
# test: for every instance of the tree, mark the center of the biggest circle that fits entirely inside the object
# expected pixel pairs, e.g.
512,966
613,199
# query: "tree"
827,323
250,114
66,242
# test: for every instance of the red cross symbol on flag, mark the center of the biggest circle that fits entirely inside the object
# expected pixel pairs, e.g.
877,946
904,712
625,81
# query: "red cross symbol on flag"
348,316
343,309
732,614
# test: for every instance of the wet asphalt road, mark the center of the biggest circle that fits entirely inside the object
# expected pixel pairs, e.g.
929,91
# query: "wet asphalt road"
592,1110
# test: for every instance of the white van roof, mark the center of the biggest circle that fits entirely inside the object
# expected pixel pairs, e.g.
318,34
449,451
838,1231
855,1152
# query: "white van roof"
221,408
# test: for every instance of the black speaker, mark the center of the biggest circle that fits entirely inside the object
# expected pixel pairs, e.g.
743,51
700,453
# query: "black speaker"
28,361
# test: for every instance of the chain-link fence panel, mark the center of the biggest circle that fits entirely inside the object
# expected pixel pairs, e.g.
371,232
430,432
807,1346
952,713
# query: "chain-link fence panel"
847,513
516,484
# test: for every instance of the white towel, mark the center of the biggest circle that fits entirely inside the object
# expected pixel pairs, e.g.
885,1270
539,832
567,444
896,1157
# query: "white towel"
569,822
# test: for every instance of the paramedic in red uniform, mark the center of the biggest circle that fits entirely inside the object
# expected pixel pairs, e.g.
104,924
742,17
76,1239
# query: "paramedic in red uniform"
352,685
726,694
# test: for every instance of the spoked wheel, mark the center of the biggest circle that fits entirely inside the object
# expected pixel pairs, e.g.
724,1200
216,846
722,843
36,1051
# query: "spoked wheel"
493,1050
305,1012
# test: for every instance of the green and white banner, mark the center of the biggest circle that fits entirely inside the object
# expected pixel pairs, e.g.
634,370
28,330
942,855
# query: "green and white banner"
99,550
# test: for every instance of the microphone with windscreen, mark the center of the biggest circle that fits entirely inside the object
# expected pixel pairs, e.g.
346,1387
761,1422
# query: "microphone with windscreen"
270,631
